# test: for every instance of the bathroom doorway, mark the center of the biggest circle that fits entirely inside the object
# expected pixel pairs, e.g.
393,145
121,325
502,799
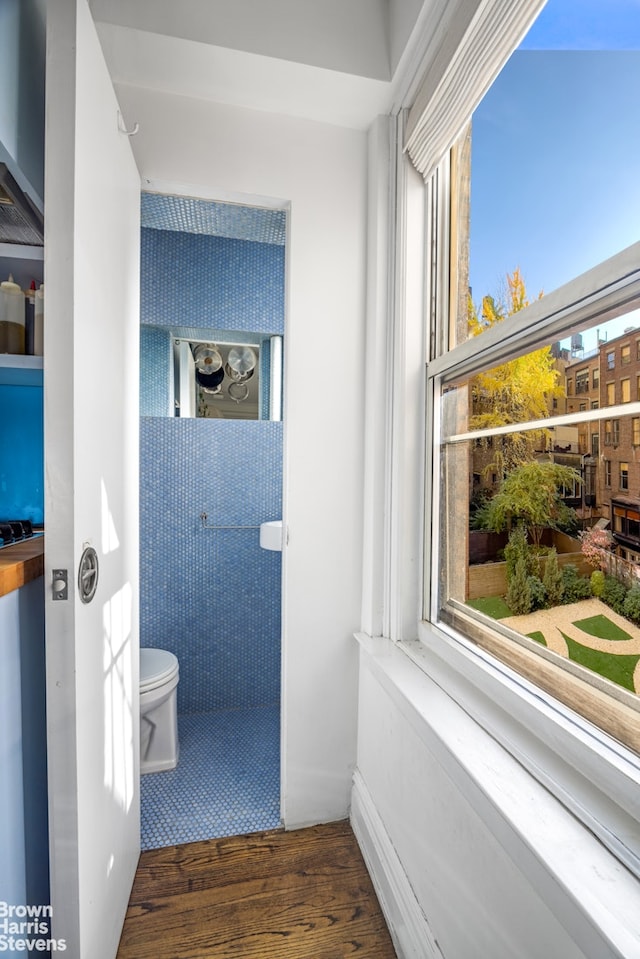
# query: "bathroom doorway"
211,459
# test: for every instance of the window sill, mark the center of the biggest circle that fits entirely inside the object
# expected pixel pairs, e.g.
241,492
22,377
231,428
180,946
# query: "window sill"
581,881
590,773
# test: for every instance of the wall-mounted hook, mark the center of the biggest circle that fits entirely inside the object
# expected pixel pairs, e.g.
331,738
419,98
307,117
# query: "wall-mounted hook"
123,129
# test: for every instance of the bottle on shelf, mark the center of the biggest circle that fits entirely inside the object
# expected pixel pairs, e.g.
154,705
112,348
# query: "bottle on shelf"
30,308
38,323
12,317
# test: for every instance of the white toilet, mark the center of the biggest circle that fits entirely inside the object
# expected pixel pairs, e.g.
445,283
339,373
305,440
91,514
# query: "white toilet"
158,710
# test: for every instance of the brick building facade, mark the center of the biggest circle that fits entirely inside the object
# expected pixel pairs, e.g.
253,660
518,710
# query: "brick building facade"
610,377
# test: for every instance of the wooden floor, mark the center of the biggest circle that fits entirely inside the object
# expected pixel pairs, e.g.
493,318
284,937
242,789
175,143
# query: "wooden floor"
304,894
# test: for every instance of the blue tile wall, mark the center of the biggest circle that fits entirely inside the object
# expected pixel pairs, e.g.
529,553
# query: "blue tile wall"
196,280
156,390
212,596
192,215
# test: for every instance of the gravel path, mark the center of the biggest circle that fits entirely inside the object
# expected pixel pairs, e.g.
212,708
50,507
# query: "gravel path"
561,619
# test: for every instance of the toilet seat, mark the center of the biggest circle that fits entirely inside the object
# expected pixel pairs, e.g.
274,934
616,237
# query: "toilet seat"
157,667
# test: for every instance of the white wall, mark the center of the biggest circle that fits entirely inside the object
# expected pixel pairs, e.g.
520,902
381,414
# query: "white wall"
349,36
320,171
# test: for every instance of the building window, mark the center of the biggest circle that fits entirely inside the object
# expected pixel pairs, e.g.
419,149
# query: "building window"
611,394
626,527
607,473
625,391
595,444
570,386
625,355
582,407
611,360
582,381
624,476
608,433
611,432
595,378
595,404
635,431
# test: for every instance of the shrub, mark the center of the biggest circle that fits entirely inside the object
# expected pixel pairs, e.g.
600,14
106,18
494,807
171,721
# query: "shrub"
596,544
614,593
517,548
631,605
518,596
597,582
537,592
574,586
477,507
552,579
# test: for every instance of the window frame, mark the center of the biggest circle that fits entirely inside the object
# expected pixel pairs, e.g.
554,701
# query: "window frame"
623,471
590,773
588,769
582,381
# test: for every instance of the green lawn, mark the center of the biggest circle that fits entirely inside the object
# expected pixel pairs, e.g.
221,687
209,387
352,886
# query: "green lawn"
493,606
602,627
617,667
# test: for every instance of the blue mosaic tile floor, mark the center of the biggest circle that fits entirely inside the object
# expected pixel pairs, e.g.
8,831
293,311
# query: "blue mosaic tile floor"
226,783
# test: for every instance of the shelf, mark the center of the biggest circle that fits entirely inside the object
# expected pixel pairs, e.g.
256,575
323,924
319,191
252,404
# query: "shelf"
24,263
20,370
19,251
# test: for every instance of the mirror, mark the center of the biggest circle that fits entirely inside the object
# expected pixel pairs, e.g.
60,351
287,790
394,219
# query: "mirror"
217,378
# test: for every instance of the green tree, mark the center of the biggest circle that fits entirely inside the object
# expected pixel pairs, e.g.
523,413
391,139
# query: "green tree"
518,597
531,495
517,547
552,579
520,390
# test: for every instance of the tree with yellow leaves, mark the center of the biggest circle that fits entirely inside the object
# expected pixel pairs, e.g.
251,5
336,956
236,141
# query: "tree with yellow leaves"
521,389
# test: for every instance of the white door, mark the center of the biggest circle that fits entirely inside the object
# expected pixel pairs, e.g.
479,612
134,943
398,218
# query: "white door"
92,201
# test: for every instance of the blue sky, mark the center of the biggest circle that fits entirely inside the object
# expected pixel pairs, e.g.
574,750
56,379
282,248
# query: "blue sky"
555,183
586,25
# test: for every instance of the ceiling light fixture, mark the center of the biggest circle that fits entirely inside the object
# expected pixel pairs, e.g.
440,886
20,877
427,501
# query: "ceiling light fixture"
241,359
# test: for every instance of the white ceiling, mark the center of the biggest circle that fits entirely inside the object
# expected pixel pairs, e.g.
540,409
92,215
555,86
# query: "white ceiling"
328,60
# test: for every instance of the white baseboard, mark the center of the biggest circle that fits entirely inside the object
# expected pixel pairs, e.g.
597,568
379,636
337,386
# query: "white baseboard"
410,931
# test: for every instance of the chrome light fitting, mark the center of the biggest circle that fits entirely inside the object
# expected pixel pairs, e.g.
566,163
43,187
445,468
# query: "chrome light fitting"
207,358
241,359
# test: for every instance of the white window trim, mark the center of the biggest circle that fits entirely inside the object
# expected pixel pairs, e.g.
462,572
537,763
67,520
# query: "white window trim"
573,873
604,292
592,774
